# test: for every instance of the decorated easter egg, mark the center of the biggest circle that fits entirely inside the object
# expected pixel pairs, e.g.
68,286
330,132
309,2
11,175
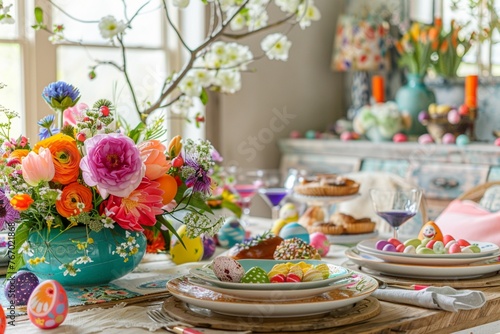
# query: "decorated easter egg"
448,138
497,142
278,225
454,116
294,230
231,233
289,212
209,246
319,241
311,134
192,251
19,287
48,305
462,140
430,231
425,139
3,321
227,269
295,134
400,138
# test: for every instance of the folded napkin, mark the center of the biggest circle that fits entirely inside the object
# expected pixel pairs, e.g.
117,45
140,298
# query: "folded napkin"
444,298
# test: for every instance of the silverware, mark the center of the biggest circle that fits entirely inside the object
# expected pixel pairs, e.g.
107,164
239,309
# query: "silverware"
171,324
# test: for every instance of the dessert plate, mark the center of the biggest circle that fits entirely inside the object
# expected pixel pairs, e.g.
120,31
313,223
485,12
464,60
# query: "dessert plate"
361,287
474,270
427,260
206,274
487,248
273,295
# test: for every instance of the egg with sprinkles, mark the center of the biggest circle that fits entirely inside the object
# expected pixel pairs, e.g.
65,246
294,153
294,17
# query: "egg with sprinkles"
48,305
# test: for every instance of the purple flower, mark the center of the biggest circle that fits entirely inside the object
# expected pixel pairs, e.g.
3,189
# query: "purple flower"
7,213
113,163
216,156
60,95
198,179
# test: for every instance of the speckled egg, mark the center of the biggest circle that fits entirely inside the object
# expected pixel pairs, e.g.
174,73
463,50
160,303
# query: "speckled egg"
289,212
231,233
295,230
48,305
19,287
320,242
193,250
462,140
227,269
209,246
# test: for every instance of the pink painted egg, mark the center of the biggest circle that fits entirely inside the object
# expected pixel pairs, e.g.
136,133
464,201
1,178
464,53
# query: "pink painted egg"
399,138
497,142
319,241
448,138
425,139
295,134
48,305
453,116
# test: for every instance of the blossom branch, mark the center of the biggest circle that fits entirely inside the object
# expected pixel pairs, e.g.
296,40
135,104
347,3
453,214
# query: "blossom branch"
270,26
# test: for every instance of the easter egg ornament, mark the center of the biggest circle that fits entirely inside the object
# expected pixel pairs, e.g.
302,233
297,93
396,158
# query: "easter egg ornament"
193,250
295,230
209,246
430,231
19,287
231,233
48,305
289,212
320,242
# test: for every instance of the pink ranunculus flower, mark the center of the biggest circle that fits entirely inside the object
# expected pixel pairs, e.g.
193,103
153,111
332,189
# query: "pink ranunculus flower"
138,209
72,114
38,167
153,155
113,163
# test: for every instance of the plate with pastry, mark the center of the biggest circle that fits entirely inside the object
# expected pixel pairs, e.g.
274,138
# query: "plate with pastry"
327,185
251,274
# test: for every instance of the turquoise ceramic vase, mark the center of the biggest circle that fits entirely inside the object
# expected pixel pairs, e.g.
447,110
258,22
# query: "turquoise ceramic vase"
412,98
62,248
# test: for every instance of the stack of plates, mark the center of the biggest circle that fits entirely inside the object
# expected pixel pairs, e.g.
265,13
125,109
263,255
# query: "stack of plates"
427,266
269,300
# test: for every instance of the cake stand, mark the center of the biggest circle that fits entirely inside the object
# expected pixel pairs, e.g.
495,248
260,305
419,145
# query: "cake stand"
324,201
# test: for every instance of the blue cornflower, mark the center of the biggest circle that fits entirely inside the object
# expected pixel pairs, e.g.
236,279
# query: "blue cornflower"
60,95
47,127
8,214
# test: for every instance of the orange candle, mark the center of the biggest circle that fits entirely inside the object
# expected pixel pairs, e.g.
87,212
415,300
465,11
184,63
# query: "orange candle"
471,82
378,89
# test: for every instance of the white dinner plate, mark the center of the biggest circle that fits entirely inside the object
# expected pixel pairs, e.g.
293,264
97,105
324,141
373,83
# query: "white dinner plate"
474,270
361,288
487,248
273,295
206,274
428,261
350,238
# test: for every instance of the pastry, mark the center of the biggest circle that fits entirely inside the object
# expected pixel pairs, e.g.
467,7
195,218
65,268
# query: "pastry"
295,248
341,219
326,228
363,225
328,186
259,247
312,215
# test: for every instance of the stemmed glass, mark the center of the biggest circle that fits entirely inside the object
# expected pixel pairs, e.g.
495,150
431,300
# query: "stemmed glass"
396,206
272,190
245,183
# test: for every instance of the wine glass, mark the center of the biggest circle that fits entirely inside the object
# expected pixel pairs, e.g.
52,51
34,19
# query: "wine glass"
272,190
396,206
245,183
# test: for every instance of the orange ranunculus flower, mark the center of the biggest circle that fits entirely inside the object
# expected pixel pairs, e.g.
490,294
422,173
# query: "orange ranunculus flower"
169,186
19,154
174,147
75,199
65,155
21,202
153,156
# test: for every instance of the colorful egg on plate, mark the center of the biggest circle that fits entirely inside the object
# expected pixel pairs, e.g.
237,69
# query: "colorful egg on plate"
19,287
231,233
209,245
430,231
48,305
320,242
294,230
192,251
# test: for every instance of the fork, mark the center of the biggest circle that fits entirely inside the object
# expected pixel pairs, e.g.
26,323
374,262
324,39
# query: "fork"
171,324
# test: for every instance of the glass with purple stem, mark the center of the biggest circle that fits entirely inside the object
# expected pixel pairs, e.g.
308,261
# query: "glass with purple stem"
396,206
272,191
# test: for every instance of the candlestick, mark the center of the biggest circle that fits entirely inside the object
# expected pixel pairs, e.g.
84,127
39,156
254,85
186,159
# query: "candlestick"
378,89
471,82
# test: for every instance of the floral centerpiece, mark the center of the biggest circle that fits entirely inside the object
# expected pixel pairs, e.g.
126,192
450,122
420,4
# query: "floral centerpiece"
91,173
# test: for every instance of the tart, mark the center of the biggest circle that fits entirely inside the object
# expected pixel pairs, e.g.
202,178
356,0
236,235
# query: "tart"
328,186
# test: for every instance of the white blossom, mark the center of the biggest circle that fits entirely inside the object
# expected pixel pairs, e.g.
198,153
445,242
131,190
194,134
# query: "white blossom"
307,13
109,27
238,22
257,17
288,6
25,249
276,46
190,86
228,81
202,76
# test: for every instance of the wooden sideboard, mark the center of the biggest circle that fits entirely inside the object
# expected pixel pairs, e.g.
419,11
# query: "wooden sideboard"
443,171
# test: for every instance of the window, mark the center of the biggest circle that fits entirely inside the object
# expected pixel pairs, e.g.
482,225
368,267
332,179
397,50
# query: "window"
28,61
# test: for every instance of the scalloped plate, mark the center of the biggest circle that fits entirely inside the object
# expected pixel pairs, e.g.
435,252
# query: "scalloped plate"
206,274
